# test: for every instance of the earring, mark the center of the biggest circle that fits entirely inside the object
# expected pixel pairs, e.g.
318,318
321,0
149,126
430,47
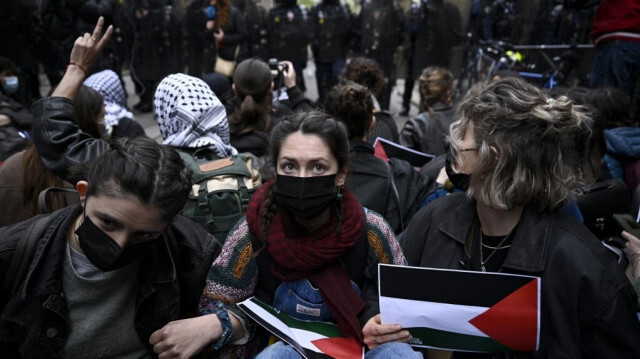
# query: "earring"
339,196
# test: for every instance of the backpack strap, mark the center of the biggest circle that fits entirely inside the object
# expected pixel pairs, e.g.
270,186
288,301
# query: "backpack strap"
394,190
355,259
42,197
22,256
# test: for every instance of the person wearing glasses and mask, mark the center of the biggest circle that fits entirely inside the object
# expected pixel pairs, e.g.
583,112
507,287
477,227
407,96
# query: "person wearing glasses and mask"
517,148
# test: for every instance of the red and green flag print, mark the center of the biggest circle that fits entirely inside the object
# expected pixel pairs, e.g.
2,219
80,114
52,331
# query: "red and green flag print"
462,310
311,339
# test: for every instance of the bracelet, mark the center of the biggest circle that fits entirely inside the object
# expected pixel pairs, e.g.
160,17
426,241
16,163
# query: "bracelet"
86,73
227,329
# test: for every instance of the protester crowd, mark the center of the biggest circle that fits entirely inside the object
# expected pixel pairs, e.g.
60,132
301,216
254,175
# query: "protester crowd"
115,245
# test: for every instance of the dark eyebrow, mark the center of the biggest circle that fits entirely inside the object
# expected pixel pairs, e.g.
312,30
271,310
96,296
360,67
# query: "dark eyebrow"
313,160
290,159
103,215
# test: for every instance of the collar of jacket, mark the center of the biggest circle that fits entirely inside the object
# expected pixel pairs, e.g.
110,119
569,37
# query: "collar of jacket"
44,274
361,146
441,106
530,244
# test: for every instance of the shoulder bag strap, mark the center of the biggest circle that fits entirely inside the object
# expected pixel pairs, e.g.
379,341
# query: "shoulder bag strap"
42,197
22,256
394,190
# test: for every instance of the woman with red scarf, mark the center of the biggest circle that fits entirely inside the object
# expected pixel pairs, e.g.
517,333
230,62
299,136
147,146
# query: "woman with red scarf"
306,247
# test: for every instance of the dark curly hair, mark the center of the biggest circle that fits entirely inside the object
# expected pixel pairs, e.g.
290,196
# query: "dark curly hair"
352,104
364,71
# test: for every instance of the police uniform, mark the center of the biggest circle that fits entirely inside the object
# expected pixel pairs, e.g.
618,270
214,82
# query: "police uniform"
332,23
289,33
381,32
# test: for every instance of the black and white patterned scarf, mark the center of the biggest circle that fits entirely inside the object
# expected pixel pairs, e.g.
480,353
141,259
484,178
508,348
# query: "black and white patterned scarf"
190,115
108,84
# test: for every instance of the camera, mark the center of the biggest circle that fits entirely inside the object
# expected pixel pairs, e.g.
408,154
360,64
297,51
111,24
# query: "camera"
276,72
211,12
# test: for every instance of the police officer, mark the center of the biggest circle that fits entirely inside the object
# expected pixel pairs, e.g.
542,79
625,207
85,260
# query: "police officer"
289,33
255,17
435,27
381,32
158,47
333,31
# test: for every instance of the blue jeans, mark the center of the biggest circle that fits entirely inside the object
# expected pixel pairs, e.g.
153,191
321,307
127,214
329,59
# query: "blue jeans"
281,350
616,64
302,301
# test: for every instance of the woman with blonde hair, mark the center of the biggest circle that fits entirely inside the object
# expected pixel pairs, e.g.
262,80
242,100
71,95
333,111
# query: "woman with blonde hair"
428,131
517,148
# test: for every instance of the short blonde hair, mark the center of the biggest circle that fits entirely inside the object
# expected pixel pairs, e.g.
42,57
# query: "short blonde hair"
435,83
536,163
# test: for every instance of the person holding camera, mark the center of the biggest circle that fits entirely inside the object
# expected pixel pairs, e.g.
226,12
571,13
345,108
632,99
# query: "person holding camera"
261,91
289,32
214,28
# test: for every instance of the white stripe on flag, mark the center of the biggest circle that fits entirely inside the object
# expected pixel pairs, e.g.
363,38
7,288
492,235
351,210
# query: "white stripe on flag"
441,316
305,338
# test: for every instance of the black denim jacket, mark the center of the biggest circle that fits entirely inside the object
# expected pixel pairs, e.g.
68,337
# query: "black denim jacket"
34,324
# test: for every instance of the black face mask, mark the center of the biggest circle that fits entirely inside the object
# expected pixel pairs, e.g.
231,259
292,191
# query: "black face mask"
102,251
460,180
306,197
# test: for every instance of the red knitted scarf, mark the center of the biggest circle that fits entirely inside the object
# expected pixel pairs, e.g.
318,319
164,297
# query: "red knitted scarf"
297,253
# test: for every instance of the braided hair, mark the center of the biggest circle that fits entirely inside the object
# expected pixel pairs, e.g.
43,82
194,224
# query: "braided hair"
140,167
332,132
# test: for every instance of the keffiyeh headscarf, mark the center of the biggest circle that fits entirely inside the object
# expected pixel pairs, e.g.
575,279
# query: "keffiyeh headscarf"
108,84
190,115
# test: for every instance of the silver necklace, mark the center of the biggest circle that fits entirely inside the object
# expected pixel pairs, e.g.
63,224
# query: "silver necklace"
495,249
491,247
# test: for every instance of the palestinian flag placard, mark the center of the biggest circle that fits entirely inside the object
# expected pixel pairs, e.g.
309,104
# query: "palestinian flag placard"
311,339
385,149
462,310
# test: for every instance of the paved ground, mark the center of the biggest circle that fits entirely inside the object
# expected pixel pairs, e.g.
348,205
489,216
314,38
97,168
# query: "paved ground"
151,128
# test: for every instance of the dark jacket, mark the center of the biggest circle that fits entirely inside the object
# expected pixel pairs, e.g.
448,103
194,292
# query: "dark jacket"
256,143
17,112
438,29
426,133
588,306
381,27
201,45
332,22
60,144
623,145
127,127
295,102
35,324
158,48
289,32
384,127
235,34
368,179
256,28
